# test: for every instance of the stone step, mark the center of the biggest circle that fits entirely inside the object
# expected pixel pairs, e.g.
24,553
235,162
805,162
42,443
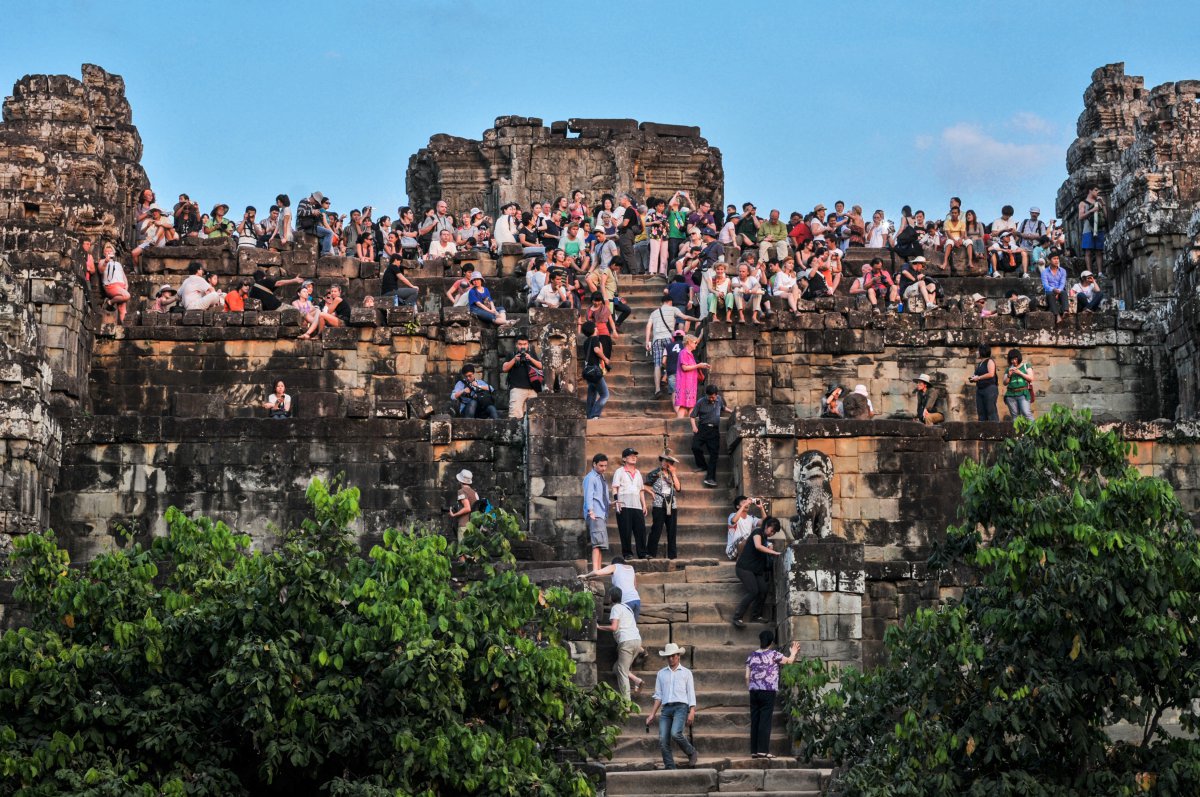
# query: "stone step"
678,781
713,635
722,719
709,745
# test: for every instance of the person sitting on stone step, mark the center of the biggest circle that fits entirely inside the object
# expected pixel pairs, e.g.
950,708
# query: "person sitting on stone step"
929,401
474,397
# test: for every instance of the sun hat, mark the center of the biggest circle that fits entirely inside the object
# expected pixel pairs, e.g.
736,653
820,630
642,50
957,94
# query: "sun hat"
464,477
861,390
1034,210
1086,274
924,378
977,297
667,458
918,259
475,275
165,289
671,649
475,211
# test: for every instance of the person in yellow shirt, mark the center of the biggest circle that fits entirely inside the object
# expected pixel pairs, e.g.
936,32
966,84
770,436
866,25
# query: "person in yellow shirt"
955,230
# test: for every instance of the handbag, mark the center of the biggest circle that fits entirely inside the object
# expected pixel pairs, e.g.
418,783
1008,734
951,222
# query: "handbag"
593,373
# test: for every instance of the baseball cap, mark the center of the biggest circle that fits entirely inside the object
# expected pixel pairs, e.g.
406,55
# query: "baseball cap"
629,452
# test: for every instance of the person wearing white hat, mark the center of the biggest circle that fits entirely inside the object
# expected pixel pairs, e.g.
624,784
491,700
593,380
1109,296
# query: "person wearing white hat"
861,390
1087,293
156,230
1031,230
165,299
928,401
675,695
464,502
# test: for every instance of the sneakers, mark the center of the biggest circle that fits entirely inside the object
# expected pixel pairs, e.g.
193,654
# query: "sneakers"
709,483
739,622
694,758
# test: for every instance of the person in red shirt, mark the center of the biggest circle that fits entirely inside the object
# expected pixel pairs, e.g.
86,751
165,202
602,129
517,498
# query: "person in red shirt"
235,301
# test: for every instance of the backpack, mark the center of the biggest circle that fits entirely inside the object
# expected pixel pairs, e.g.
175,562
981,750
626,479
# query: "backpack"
482,505
537,380
908,236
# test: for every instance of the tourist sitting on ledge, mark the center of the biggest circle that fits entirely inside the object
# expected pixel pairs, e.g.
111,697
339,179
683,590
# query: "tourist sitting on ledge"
279,403
747,290
441,250
264,289
812,281
396,286
481,305
335,310
916,290
311,220
1007,255
165,300
979,303
554,294
187,218
929,401
1087,293
784,283
460,291
217,225
1054,286
474,397
157,230
196,293
235,301
832,405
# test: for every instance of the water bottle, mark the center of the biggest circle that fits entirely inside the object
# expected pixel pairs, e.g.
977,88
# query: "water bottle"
1121,305
900,307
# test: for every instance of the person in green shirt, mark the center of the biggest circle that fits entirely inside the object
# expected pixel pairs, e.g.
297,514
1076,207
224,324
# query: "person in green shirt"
773,237
1018,386
676,225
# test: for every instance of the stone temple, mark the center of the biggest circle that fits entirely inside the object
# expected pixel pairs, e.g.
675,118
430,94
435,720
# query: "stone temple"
105,425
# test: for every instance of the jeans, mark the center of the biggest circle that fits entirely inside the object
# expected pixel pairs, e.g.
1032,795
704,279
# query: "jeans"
470,409
985,403
597,397
636,608
486,315
756,592
620,312
1082,302
705,445
405,296
631,524
671,722
662,520
1018,405
762,704
325,237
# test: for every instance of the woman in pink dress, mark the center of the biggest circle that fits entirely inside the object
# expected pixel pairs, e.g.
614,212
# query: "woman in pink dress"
687,378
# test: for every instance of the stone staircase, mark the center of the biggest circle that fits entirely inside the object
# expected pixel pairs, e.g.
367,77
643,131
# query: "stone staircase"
689,600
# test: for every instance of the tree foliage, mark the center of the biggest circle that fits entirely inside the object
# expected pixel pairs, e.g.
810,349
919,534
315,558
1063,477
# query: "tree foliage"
1084,614
198,666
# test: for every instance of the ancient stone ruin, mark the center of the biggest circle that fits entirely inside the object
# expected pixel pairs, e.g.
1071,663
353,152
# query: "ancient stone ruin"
520,160
105,425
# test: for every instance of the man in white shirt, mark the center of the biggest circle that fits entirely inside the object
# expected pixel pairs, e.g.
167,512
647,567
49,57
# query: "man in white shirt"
623,625
747,290
660,328
553,293
675,694
630,500
195,293
156,230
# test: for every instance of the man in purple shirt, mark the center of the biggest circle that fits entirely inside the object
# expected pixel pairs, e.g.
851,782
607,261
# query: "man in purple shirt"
1054,283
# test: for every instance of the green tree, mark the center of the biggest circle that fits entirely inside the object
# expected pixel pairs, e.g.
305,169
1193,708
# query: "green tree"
199,666
1087,590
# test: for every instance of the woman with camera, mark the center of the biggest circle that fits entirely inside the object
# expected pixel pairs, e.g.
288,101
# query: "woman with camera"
753,565
663,484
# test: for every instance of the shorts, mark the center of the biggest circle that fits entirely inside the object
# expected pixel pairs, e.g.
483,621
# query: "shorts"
658,349
598,532
1092,240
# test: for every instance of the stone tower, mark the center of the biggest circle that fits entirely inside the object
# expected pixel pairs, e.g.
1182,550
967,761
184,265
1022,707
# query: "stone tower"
521,160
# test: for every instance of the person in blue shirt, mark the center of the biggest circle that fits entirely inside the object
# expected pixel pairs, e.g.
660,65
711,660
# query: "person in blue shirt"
595,508
1054,284
481,305
474,397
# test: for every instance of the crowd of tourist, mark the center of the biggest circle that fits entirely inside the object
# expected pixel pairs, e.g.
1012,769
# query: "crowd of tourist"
732,265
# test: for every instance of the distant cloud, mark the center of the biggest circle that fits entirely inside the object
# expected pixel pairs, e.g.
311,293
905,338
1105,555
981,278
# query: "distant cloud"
1029,122
965,157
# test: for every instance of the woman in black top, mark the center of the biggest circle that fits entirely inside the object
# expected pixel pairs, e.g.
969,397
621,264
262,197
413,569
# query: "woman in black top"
596,353
986,388
753,565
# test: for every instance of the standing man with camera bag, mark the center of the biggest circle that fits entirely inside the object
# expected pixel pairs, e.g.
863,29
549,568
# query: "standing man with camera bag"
524,377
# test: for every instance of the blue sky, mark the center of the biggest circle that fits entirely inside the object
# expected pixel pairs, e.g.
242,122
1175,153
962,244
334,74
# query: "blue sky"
879,104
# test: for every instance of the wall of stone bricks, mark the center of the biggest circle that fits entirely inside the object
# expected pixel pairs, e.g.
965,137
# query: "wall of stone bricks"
521,160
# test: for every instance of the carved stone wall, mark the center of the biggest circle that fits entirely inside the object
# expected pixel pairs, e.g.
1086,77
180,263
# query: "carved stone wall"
1142,148
521,160
68,168
1183,323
